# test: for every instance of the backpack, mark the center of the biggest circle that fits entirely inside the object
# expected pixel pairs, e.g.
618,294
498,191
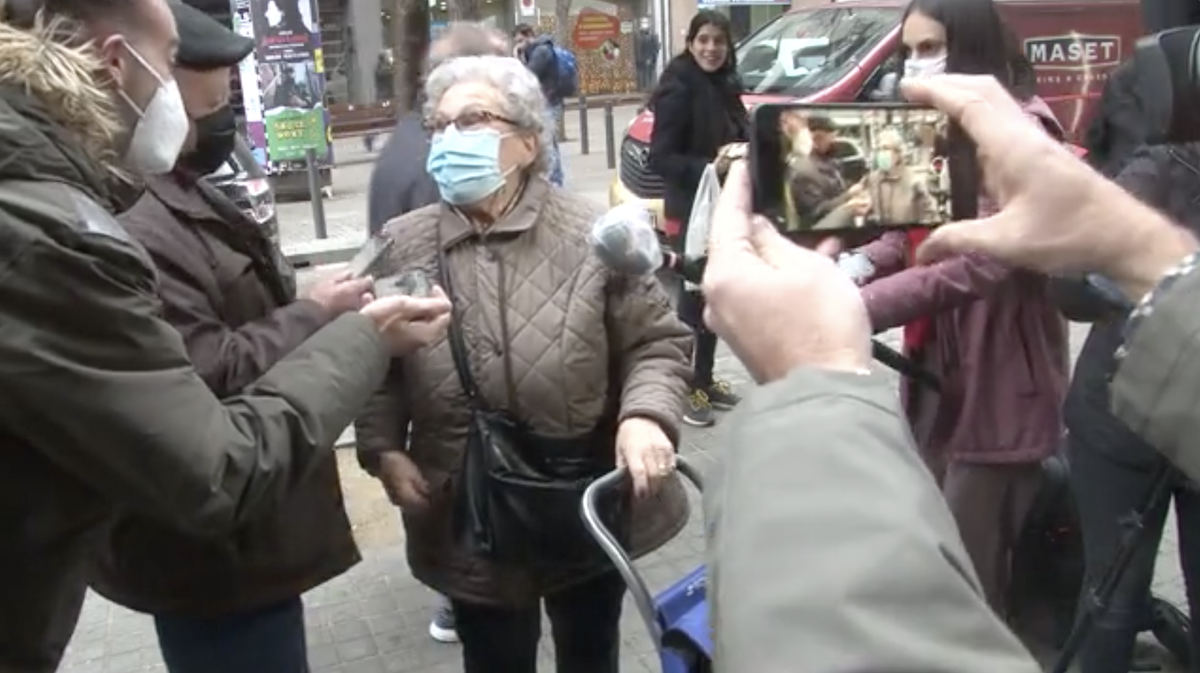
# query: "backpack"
566,72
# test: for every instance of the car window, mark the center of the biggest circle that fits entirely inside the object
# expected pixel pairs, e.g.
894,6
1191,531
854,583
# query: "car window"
804,52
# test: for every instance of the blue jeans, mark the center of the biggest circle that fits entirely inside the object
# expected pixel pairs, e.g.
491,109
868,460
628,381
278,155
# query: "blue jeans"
556,164
271,639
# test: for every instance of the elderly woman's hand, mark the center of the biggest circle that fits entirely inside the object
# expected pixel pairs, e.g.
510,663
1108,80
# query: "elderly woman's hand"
645,449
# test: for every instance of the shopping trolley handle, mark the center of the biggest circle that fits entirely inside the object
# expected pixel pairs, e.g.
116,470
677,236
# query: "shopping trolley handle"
616,553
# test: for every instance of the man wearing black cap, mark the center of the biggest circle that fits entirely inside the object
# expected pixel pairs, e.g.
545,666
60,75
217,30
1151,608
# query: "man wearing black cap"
817,189
100,404
227,604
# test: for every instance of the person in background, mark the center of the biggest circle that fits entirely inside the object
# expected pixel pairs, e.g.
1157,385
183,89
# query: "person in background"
100,406
594,359
385,88
400,184
697,109
646,47
228,604
989,332
537,53
1112,469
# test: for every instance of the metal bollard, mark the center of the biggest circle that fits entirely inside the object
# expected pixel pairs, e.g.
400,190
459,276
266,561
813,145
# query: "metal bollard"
584,140
314,193
610,141
560,126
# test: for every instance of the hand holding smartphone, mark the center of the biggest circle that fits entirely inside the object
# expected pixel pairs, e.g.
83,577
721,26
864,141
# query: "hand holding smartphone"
845,169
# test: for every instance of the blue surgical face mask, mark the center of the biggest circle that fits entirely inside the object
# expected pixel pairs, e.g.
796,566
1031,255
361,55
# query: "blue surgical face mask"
920,68
466,164
883,160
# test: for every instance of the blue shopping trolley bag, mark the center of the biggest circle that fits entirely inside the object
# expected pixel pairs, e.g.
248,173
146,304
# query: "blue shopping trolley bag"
677,618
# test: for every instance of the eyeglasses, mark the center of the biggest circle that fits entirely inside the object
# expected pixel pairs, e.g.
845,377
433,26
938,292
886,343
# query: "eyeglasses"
466,121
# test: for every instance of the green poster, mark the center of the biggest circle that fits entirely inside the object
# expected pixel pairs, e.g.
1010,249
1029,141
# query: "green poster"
292,131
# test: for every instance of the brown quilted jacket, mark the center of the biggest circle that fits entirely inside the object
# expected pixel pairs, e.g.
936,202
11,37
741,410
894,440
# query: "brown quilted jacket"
566,318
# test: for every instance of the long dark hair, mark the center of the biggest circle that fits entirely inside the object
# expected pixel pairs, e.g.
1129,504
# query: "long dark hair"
978,42
725,78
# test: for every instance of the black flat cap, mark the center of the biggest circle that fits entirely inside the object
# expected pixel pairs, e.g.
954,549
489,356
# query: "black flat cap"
204,43
821,123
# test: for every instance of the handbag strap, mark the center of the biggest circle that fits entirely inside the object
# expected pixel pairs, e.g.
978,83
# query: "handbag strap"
458,346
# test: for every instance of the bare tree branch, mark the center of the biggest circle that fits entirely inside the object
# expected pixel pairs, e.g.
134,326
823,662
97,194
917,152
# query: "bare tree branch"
410,25
562,22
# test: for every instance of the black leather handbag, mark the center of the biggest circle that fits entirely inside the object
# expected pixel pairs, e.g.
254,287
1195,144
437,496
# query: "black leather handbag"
518,502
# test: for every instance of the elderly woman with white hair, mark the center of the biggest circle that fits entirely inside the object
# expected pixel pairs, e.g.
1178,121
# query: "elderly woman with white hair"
556,363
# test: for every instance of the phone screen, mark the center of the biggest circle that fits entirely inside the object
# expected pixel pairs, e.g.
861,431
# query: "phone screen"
368,257
837,169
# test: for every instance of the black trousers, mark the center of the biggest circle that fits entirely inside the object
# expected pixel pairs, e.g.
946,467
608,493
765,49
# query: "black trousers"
584,622
704,357
1106,491
269,639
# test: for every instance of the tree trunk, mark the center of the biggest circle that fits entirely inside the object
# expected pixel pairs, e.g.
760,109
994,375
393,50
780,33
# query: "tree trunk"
562,22
465,10
411,26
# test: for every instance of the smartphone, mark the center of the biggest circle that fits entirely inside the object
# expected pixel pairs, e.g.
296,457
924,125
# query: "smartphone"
410,283
849,169
367,259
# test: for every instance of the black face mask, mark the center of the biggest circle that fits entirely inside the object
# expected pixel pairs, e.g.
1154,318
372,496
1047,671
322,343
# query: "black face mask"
215,137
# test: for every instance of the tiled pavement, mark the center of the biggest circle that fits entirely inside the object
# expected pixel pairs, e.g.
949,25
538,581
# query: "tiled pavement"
374,618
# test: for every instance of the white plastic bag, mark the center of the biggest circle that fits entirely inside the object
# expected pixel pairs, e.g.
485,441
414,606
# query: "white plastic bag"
703,205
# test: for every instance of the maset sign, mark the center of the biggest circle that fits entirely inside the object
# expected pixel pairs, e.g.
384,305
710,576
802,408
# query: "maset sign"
1073,52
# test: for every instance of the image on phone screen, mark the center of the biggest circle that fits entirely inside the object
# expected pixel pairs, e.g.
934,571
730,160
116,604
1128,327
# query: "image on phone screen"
837,168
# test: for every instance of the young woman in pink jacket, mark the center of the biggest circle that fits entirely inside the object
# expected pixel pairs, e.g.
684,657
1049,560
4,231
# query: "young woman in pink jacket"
988,331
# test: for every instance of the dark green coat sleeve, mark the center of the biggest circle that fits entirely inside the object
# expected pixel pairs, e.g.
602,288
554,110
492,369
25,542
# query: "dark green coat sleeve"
1156,390
95,379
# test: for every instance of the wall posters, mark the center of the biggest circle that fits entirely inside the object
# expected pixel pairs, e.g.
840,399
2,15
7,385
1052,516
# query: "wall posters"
283,81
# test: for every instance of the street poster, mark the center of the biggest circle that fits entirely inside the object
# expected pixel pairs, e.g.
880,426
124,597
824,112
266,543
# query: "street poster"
291,77
283,81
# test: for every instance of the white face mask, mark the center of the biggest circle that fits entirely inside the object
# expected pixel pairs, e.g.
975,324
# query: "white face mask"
920,68
161,128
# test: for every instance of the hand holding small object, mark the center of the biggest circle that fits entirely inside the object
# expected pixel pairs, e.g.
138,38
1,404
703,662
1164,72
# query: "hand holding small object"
410,323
